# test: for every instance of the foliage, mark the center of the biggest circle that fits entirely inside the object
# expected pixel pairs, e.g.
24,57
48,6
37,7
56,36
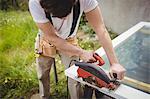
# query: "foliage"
17,63
87,37
17,72
14,5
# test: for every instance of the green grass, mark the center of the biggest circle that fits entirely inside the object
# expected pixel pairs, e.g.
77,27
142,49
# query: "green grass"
17,63
17,70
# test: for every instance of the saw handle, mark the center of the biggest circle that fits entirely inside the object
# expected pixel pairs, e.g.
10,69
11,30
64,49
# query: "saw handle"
115,75
99,59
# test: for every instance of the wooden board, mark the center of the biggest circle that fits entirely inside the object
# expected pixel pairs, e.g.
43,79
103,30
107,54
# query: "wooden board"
137,84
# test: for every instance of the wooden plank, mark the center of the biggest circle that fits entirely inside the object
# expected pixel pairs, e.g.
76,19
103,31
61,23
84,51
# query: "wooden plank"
137,84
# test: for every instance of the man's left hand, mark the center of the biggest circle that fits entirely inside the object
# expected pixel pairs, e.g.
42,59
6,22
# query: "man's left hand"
119,70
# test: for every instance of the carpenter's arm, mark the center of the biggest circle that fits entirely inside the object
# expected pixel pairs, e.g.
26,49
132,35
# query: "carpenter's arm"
61,44
96,21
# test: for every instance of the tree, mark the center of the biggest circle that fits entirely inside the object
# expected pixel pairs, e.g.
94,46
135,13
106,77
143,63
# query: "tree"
15,4
6,4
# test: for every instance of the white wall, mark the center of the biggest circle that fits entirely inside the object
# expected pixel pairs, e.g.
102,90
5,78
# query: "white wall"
120,15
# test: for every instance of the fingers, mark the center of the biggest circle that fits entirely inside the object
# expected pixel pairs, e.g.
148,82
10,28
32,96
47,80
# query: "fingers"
122,74
87,56
92,60
119,70
118,75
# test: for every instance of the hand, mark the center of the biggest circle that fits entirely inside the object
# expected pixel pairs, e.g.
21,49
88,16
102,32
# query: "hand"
87,56
119,70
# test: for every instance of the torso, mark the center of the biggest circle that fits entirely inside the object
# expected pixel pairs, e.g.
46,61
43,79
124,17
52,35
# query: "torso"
63,31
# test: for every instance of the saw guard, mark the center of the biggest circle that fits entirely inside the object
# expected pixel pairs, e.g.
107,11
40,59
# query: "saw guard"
93,70
100,83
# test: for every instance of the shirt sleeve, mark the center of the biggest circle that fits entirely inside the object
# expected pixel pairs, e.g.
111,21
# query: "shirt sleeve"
89,5
37,12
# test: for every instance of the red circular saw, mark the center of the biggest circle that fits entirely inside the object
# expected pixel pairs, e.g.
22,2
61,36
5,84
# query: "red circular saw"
94,74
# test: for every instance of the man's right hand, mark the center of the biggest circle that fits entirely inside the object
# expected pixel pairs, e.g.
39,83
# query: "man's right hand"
87,56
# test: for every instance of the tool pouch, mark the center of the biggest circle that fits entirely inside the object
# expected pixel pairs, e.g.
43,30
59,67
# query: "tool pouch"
73,41
44,48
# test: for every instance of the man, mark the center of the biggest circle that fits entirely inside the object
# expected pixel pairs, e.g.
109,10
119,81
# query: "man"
58,21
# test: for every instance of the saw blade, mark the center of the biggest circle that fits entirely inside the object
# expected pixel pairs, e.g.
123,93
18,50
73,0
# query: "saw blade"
105,91
108,92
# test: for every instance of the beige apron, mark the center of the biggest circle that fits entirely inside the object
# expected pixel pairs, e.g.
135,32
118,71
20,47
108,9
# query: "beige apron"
42,47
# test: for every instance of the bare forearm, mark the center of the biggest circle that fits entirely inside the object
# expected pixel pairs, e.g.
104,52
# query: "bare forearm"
65,47
96,21
106,42
62,45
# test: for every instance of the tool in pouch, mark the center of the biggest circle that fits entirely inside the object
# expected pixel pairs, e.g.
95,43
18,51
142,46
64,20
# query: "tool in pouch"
44,48
95,75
